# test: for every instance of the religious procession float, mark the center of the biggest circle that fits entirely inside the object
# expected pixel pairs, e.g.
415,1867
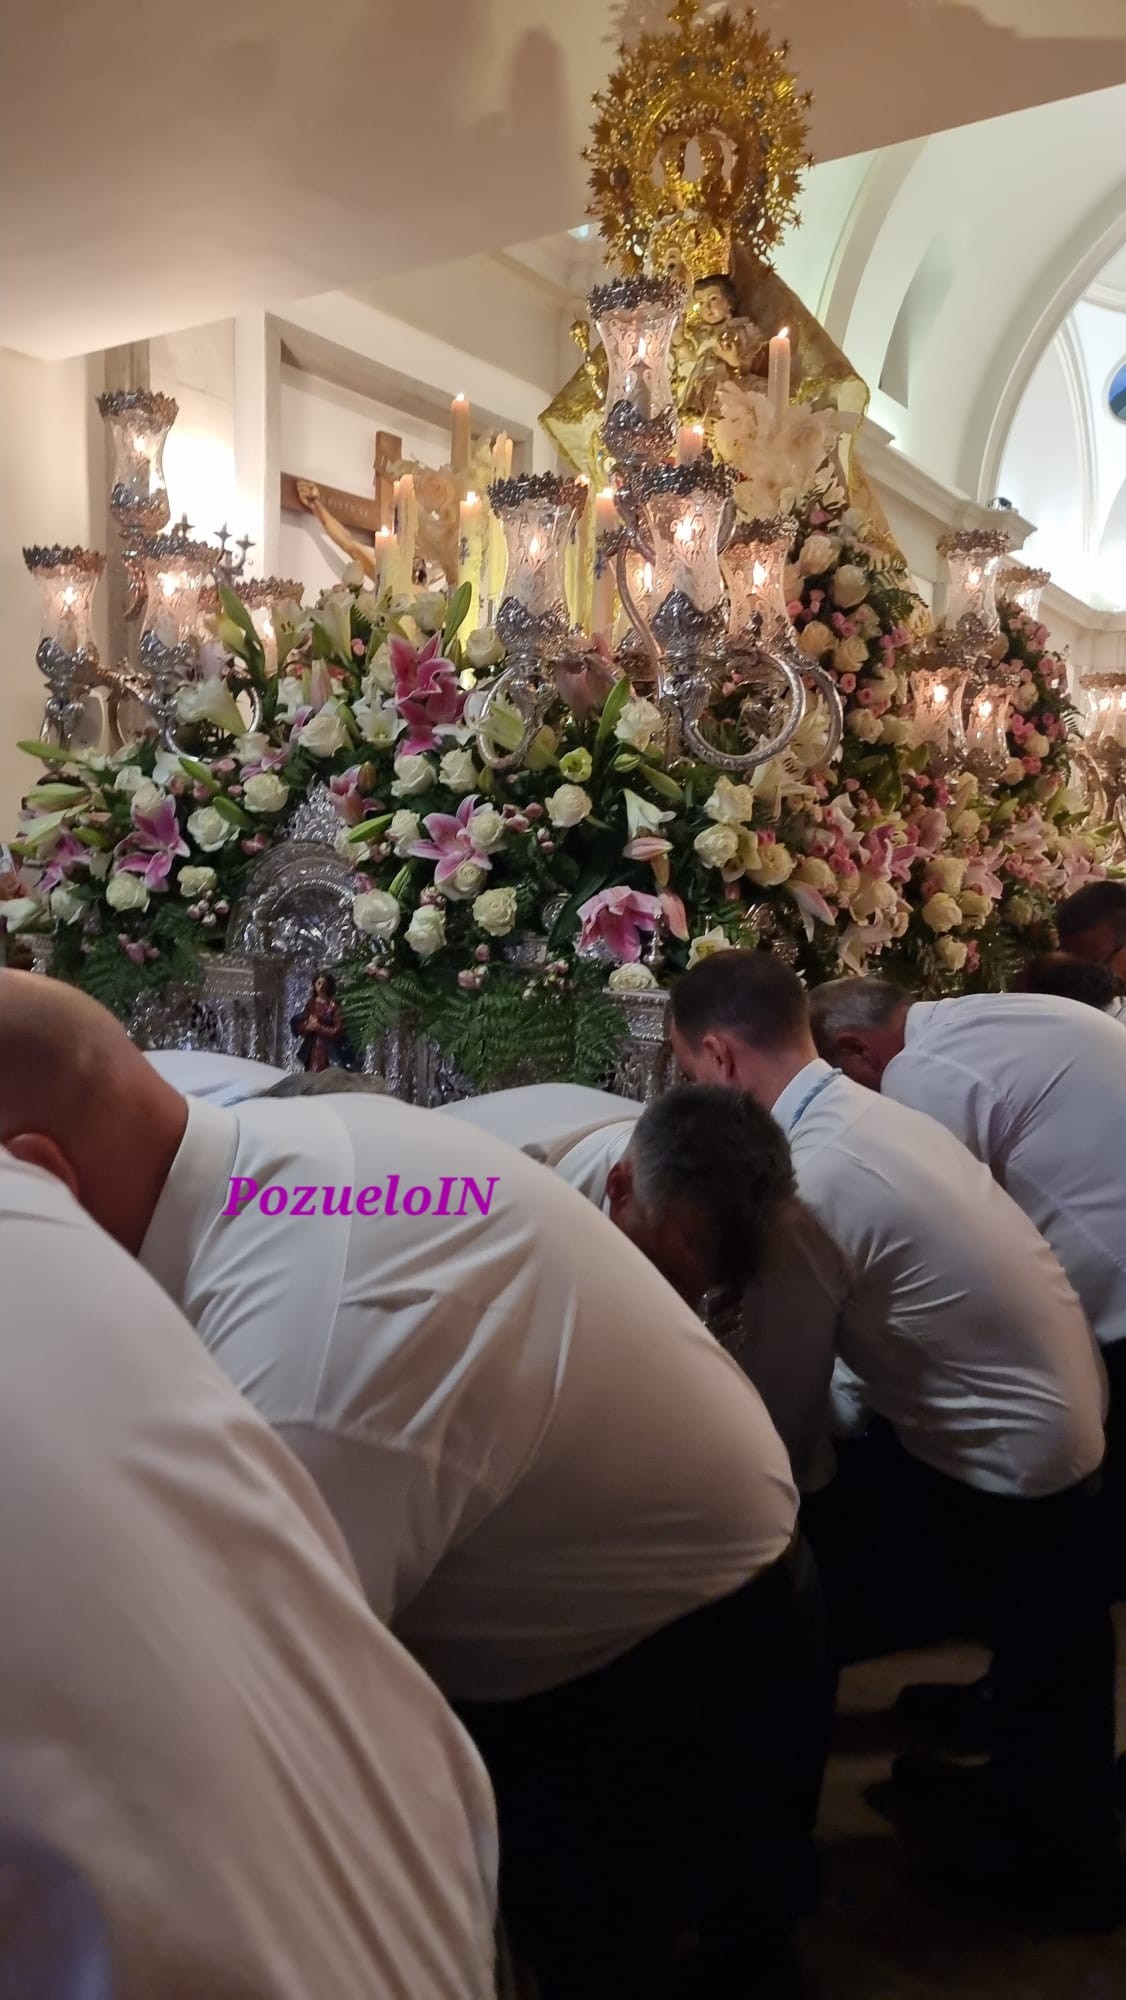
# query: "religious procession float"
556,737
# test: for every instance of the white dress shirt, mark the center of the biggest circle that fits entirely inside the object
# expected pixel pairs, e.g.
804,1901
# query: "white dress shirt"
264,1791
536,1453
963,1330
219,1079
581,1133
786,1332
1036,1087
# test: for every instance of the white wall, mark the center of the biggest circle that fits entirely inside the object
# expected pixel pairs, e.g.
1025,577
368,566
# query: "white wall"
197,367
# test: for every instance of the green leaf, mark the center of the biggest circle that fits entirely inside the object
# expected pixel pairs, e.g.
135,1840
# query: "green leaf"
664,786
199,773
230,810
619,695
369,829
48,753
455,612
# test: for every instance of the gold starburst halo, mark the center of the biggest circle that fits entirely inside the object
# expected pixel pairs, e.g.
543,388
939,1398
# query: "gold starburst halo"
717,85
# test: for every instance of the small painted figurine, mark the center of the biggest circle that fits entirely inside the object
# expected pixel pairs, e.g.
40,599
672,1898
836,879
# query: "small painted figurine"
320,1024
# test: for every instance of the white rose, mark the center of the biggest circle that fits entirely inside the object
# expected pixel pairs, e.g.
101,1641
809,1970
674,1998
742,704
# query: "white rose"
816,639
211,701
18,911
866,727
486,830
483,648
631,979
380,677
816,555
146,795
1026,697
967,825
897,730
403,831
66,904
209,830
706,945
975,906
872,896
717,845
941,913
567,806
1013,772
773,865
265,793
730,805
946,872
951,953
814,873
129,778
412,775
850,586
429,611
1035,745
251,749
194,882
467,880
426,932
126,892
851,656
867,621
638,723
458,771
495,911
324,734
376,913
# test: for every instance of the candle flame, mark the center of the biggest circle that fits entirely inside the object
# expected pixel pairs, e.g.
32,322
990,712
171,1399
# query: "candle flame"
534,546
940,694
759,575
784,333
643,347
471,499
607,493
647,576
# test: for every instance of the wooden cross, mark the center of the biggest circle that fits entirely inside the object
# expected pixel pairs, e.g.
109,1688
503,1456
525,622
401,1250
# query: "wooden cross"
353,510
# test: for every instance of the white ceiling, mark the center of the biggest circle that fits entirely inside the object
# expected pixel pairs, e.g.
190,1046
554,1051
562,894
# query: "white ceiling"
167,165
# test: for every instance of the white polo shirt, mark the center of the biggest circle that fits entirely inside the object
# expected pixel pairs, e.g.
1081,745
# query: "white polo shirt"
219,1079
786,1336
581,1133
196,1707
1036,1087
963,1329
536,1453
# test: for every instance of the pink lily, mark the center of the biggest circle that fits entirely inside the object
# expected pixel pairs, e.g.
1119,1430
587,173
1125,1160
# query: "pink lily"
67,854
155,844
812,906
675,914
349,798
616,918
426,695
451,843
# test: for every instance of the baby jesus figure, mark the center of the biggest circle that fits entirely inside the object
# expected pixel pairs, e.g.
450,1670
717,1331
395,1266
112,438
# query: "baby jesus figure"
720,345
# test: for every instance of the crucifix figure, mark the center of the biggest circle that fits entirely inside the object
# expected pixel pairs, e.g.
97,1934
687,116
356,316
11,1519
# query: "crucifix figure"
340,513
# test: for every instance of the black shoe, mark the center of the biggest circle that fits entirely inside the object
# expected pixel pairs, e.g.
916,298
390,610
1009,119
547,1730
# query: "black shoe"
956,1714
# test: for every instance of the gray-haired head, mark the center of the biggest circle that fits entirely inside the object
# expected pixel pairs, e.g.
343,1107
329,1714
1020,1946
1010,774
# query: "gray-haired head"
860,1025
326,1083
705,1173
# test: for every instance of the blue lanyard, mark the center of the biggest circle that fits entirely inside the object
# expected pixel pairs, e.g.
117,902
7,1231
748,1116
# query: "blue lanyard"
814,1090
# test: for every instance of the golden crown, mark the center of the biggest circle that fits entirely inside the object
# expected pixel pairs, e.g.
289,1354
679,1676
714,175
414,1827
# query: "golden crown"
718,84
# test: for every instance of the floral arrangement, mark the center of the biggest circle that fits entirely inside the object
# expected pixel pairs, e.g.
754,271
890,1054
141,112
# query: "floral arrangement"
597,867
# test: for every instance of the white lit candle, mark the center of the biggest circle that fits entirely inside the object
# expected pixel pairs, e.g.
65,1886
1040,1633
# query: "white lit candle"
459,434
778,380
502,456
689,443
406,526
386,558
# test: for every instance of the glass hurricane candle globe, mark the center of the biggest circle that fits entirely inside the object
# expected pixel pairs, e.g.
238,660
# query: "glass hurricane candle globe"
986,733
971,621
537,514
636,320
67,655
138,422
685,517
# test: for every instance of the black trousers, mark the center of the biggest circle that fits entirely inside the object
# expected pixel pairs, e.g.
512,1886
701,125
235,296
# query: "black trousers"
655,1816
1025,1576
1114,1468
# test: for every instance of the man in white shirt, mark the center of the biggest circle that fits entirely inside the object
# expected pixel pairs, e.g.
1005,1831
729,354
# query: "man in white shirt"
196,1707
702,1182
549,1476
971,1345
1092,924
218,1079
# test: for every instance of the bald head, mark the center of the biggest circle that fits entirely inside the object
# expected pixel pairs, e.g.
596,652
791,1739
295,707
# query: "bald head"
78,1099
